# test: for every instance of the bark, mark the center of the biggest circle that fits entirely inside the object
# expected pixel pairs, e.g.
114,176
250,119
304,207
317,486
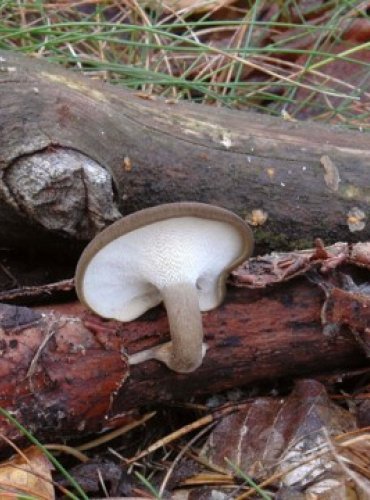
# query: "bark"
64,371
64,138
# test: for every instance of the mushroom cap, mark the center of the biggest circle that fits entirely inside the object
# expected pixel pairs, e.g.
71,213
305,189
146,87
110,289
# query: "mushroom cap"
122,271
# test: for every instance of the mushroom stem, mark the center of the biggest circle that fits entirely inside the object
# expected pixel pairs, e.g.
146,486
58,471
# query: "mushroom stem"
186,350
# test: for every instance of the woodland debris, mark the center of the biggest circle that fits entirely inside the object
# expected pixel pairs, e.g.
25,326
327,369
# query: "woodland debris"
51,355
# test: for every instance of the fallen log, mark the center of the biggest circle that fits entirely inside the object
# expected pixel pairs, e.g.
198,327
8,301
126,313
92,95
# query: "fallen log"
65,139
64,372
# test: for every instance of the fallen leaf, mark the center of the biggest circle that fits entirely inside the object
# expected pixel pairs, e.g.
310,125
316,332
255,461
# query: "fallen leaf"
27,474
286,438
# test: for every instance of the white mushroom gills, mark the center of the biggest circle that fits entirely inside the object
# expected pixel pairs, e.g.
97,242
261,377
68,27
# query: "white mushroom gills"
182,261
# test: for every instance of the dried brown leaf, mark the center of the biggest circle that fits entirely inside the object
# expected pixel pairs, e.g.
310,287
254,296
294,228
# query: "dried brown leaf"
283,437
29,474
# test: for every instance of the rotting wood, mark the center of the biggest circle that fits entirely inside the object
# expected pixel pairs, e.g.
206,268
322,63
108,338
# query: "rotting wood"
156,152
258,334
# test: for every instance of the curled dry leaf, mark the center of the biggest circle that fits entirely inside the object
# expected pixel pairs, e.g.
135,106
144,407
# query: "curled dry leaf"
360,254
27,474
284,438
260,272
279,267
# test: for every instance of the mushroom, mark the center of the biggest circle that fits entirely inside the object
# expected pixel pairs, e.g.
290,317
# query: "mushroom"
178,253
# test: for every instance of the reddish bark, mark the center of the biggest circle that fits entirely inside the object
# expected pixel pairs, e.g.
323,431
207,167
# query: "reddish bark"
66,374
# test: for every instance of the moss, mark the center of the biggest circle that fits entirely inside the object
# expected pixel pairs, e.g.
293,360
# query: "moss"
355,193
270,240
267,241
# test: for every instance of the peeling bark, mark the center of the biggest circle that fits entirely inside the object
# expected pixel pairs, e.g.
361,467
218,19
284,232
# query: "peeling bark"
64,371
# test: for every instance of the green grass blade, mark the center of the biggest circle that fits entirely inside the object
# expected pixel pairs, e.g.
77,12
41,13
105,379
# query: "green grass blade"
47,453
248,480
